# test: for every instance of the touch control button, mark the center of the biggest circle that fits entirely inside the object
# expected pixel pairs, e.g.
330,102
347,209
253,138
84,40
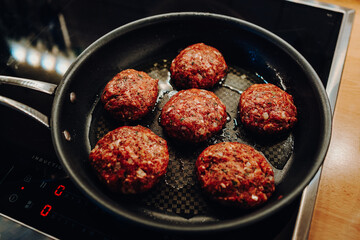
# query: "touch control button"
27,178
13,197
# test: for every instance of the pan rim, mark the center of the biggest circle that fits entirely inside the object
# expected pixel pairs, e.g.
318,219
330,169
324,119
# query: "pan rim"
242,221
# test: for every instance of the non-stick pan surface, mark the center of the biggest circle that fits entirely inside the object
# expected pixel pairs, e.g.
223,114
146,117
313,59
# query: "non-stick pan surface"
177,203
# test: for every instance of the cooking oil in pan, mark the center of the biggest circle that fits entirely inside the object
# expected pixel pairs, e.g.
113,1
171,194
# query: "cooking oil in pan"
179,193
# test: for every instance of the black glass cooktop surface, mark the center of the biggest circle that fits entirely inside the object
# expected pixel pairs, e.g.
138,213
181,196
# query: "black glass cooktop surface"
40,39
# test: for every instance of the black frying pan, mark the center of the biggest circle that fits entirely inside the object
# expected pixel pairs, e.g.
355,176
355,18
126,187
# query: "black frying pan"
177,203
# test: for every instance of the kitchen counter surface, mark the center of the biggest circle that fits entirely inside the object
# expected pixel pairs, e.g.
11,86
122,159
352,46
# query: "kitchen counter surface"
337,212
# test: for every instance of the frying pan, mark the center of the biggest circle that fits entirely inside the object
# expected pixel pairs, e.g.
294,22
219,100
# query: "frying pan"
176,203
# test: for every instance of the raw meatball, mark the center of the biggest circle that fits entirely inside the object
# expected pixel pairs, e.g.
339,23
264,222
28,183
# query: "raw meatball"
198,66
235,174
130,159
193,115
130,95
267,109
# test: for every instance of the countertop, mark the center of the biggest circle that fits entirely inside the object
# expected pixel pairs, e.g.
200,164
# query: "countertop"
337,208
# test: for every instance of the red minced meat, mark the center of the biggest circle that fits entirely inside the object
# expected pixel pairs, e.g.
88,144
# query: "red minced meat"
267,109
193,115
235,174
198,66
130,95
130,159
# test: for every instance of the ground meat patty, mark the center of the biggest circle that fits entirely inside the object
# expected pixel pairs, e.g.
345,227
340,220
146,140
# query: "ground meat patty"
130,159
193,115
198,66
130,95
267,109
235,174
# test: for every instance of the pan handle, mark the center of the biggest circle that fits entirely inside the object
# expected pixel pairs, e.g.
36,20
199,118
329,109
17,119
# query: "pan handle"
44,87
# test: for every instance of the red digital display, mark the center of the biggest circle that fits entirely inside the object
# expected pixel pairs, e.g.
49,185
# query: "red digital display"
46,210
59,190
